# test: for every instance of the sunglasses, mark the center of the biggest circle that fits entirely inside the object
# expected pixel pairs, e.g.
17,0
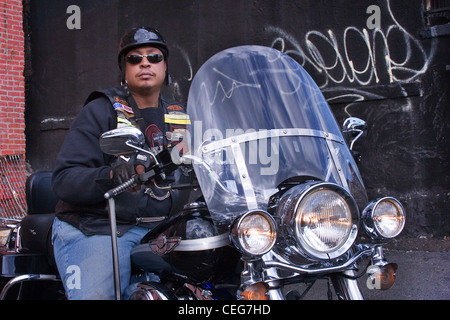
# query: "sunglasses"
137,58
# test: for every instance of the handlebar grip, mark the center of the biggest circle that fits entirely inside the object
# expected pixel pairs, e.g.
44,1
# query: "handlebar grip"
129,184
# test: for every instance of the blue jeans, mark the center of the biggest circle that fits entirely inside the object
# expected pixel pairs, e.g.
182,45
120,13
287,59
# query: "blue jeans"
85,262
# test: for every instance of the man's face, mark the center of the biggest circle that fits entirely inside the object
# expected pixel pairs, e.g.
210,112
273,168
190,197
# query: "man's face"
145,76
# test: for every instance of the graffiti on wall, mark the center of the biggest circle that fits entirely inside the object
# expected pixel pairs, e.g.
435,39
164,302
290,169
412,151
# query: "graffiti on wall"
358,59
375,60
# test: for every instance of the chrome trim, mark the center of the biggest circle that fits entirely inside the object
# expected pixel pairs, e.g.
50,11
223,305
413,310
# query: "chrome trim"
348,288
310,271
130,137
204,243
247,185
234,143
151,154
288,214
9,223
18,244
275,291
354,128
150,291
26,277
337,164
12,227
150,219
235,226
264,134
368,223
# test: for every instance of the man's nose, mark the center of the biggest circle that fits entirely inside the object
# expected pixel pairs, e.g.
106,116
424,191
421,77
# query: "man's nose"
145,63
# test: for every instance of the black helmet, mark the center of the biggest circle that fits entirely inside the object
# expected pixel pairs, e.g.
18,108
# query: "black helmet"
139,37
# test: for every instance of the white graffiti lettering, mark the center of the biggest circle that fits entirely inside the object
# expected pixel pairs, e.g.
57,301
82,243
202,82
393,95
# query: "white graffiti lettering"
359,56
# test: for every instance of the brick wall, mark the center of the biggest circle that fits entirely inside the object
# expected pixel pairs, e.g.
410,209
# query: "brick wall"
12,83
12,108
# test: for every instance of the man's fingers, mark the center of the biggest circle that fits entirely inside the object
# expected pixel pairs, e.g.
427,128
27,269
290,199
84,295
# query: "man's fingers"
140,169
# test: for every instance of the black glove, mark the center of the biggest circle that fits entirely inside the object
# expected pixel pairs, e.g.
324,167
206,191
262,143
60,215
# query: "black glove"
125,167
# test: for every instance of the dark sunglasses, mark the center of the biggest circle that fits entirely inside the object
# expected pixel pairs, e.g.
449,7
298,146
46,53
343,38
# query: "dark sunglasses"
137,58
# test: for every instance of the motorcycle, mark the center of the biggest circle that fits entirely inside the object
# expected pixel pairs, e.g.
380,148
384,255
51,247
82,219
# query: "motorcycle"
278,197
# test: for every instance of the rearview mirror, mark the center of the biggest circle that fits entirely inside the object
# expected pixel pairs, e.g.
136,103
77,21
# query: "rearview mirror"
122,141
352,129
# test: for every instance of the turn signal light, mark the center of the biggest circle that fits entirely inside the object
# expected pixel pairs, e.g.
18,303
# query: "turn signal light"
381,277
257,291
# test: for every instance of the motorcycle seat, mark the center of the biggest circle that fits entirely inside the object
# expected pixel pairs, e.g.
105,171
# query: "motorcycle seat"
37,225
39,194
36,234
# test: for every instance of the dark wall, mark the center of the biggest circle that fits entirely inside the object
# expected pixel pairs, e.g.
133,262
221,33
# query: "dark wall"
393,77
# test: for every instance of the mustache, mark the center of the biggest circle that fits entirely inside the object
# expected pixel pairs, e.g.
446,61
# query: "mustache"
149,73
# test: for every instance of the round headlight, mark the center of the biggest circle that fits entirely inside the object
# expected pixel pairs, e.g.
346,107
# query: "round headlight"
384,218
324,223
254,232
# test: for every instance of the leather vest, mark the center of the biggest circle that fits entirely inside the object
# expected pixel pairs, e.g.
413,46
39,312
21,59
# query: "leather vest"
175,117
175,122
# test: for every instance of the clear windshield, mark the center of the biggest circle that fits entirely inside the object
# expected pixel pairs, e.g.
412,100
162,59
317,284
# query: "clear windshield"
257,120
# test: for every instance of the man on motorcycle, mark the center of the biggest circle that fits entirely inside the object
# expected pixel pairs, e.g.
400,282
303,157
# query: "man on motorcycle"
82,174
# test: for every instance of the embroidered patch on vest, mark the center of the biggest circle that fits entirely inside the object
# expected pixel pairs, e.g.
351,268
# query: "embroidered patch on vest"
120,100
118,106
177,118
175,107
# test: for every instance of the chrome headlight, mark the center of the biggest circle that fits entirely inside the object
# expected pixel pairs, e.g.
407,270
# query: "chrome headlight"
384,218
324,219
254,233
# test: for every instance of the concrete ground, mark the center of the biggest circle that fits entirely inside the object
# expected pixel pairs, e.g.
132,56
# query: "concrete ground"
423,273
